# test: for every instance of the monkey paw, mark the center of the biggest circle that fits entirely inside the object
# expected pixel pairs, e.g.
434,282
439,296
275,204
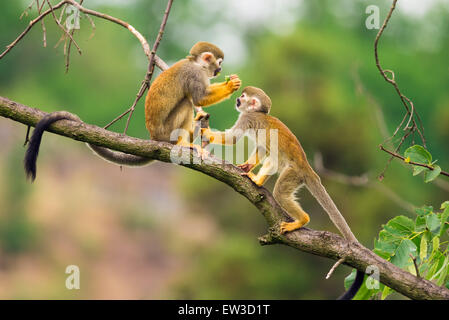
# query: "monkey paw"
234,82
290,226
247,167
200,115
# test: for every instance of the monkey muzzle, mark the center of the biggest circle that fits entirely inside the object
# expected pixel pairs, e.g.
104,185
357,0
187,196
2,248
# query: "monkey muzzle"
217,71
238,102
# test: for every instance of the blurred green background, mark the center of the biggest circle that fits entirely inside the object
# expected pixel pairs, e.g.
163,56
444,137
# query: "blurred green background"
168,232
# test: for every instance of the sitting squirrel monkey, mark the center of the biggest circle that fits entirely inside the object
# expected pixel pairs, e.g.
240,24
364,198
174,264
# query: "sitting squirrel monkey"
291,163
169,105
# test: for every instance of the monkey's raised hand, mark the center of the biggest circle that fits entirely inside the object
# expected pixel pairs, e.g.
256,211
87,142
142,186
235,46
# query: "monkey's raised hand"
234,82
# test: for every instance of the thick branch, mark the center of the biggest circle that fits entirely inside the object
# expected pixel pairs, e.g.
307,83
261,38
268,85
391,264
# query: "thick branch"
321,243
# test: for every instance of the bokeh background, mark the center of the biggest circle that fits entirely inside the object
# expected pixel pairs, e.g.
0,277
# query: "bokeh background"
165,232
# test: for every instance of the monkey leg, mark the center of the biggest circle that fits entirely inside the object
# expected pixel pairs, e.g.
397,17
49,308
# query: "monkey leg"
252,162
264,173
217,92
284,193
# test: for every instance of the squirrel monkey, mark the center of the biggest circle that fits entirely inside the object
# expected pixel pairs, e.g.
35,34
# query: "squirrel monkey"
169,105
291,163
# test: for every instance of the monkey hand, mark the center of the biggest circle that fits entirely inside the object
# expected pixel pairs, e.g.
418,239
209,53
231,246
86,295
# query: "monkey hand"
234,83
200,115
246,167
207,133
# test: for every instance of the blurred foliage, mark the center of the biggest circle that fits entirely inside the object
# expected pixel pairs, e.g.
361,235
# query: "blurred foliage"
166,232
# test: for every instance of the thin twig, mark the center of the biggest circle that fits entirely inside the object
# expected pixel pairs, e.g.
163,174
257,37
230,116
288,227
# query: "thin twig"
411,125
416,266
395,155
62,27
149,75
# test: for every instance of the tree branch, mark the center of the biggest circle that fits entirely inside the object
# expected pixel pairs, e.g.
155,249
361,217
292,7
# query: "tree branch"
321,243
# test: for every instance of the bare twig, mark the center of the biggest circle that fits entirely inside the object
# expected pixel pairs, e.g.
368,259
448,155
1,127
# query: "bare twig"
69,46
158,61
335,266
416,266
62,28
149,75
411,125
360,181
395,155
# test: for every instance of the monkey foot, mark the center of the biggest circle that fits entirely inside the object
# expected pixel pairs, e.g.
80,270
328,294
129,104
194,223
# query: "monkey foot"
290,226
200,115
251,177
247,167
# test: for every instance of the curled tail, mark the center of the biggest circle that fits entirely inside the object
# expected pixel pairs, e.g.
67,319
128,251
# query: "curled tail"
315,187
32,151
35,141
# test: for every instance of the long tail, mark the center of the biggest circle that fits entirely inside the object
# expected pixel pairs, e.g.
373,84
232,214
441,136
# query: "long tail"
348,295
319,192
32,151
119,158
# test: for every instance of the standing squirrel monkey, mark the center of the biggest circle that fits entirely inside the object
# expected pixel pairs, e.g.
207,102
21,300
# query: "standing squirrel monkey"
289,160
169,105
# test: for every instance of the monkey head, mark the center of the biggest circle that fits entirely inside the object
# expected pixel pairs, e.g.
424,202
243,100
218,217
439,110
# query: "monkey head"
253,100
208,56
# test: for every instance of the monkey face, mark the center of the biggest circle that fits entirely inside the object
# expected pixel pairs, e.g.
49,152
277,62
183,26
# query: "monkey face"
246,103
212,65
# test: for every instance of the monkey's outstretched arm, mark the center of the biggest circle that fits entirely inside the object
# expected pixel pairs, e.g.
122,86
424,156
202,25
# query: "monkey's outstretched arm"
216,137
217,92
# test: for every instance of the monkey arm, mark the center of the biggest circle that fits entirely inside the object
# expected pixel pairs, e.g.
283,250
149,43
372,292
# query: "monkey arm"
217,92
217,137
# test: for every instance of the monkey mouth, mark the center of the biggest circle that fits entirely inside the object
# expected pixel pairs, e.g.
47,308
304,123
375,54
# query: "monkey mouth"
217,71
238,102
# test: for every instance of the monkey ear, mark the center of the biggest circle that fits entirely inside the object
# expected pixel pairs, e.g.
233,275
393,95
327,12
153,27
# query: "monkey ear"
207,56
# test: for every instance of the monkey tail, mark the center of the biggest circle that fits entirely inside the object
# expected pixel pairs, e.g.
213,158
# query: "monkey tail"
315,187
348,295
119,158
32,151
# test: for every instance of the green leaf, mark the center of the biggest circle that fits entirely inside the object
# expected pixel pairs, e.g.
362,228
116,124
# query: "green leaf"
418,169
423,248
433,223
432,174
444,205
350,279
424,210
435,244
443,220
385,292
400,225
418,154
443,272
402,255
420,223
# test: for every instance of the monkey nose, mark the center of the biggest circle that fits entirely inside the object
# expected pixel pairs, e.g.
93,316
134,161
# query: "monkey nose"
238,102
